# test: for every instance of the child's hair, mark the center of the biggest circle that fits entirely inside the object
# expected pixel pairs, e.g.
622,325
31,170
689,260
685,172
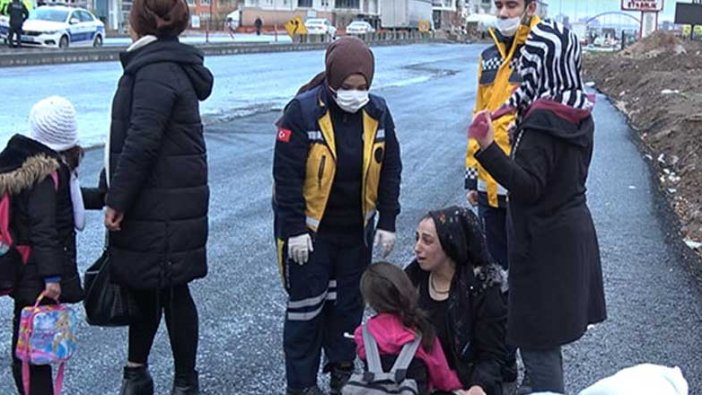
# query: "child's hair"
387,289
73,156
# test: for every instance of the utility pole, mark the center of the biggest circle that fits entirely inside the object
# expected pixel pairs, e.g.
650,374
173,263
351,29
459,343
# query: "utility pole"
209,25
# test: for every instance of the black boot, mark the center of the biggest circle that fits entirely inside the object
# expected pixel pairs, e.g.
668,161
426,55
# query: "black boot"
340,375
186,385
137,381
307,391
40,381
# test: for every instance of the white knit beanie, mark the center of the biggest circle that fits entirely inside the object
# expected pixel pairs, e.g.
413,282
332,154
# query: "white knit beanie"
53,123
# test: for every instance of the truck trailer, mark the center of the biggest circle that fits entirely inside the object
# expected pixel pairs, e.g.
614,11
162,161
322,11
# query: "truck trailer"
405,14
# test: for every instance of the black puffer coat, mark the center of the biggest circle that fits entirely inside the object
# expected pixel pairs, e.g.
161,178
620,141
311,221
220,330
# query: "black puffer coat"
41,217
158,167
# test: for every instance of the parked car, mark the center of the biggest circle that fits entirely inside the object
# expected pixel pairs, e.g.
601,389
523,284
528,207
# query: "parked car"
359,27
60,27
320,26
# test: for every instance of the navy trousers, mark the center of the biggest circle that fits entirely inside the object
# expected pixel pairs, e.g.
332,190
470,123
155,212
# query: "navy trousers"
324,303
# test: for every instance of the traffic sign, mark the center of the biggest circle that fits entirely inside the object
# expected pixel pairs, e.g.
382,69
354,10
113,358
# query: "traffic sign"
424,26
295,26
642,5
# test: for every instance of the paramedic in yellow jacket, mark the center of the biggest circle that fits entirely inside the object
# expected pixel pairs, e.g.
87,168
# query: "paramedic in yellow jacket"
497,78
336,164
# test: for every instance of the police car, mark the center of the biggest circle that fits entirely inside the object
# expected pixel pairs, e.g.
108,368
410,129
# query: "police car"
60,27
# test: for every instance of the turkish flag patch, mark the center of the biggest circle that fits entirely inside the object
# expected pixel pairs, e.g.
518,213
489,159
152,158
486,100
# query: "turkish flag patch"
284,135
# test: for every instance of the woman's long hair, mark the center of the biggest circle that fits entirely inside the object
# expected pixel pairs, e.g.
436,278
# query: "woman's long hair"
387,289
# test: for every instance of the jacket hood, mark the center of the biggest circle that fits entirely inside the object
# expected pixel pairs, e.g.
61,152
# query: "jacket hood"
23,163
189,58
559,120
389,333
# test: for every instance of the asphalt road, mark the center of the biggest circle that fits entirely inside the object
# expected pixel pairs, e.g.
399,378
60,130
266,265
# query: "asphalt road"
654,300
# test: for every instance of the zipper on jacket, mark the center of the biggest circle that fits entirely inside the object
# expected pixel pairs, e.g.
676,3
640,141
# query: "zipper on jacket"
320,173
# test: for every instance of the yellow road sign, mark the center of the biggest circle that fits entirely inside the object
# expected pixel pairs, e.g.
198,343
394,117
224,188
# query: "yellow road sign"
295,26
424,26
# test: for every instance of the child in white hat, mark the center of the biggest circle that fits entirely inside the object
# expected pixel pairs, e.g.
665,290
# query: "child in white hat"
38,175
53,123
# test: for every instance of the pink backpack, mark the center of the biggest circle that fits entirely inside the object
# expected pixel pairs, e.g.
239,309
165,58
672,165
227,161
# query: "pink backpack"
46,336
12,254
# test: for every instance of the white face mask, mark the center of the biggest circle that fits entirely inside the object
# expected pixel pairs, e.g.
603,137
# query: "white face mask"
351,100
508,27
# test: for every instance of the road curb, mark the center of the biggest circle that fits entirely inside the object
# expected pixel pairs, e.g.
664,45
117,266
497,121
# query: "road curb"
39,57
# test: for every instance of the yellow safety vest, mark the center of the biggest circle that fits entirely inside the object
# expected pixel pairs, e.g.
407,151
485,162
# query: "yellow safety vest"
321,168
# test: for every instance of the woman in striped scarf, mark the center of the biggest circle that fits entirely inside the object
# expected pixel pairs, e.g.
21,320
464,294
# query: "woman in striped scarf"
555,277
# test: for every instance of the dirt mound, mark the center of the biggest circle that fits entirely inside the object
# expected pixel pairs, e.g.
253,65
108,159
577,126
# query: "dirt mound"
656,44
658,87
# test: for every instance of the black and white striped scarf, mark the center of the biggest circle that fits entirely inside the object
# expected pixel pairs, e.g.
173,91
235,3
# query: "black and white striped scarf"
550,64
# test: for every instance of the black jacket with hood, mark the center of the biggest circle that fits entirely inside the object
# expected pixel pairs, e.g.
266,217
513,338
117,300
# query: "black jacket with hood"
157,166
476,312
555,279
41,217
476,324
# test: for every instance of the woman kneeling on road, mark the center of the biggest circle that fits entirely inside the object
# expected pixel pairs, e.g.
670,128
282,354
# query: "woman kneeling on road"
337,162
157,201
555,279
460,288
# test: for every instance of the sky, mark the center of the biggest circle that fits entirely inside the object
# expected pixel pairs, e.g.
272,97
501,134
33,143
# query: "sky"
577,9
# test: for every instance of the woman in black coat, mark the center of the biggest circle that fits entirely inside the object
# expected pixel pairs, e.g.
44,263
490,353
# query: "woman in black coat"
555,278
460,288
157,197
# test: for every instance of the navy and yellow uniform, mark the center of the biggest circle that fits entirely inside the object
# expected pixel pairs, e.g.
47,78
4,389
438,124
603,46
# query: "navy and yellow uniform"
333,172
497,79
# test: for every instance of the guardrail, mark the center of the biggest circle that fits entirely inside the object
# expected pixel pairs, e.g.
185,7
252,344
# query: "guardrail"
36,57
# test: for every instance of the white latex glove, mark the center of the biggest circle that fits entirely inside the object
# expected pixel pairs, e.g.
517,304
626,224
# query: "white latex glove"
299,248
386,240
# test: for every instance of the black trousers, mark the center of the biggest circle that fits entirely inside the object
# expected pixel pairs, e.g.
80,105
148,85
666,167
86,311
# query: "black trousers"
179,308
545,369
40,382
324,302
14,35
495,229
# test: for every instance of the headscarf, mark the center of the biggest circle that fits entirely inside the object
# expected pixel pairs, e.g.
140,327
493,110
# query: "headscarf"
550,67
345,56
461,237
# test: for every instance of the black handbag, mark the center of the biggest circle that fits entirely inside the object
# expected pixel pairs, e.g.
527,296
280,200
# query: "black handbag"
107,304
